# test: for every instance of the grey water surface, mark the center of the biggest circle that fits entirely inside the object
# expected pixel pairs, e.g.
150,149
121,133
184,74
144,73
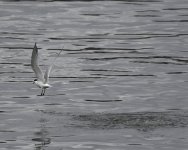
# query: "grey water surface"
121,82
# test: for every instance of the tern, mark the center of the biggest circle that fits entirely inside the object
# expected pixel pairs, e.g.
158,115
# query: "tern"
42,80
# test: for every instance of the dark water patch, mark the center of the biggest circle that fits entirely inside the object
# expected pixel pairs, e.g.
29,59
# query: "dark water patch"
18,81
180,34
154,62
108,58
184,15
137,52
183,8
16,38
98,52
105,70
93,14
141,120
170,20
174,109
125,75
58,49
87,38
108,48
27,65
146,15
10,63
134,144
156,36
60,94
7,47
92,41
21,97
39,65
144,34
167,57
92,48
19,33
133,3
139,38
152,35
2,142
78,44
6,131
67,77
19,77
103,101
2,111
106,52
80,81
138,57
10,140
73,53
150,10
63,39
89,49
177,72
53,104
180,60
15,72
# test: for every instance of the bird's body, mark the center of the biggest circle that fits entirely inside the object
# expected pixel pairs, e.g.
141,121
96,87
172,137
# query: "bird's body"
40,84
42,80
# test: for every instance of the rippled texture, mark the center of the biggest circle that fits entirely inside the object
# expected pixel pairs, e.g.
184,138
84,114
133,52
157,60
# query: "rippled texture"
120,83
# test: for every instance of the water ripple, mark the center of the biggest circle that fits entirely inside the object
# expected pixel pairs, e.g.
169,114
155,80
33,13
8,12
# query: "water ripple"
141,121
122,74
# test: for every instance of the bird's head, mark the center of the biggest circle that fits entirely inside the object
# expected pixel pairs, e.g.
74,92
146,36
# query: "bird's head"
34,81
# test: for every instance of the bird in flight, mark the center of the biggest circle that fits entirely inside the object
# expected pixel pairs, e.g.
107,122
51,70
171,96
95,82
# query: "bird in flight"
42,80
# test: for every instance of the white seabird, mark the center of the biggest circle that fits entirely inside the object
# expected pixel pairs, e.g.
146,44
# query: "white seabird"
42,80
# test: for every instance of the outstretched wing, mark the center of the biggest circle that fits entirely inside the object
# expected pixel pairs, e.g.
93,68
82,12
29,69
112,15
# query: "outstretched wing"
47,73
34,64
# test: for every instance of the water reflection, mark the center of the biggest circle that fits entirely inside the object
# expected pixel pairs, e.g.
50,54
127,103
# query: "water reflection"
42,136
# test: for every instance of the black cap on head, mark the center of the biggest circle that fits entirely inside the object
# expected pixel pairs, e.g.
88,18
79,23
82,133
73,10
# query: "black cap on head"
35,80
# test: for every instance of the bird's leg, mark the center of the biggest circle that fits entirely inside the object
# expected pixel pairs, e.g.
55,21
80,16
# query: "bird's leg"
42,93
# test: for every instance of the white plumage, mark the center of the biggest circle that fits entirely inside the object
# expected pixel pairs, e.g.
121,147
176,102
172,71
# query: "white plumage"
42,80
